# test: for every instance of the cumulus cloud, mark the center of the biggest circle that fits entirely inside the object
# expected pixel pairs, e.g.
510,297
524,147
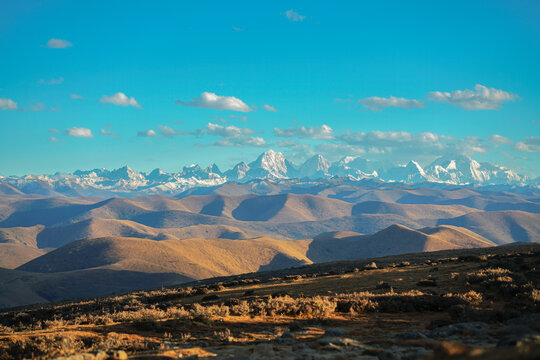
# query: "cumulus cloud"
269,108
293,16
58,44
168,131
76,96
226,131
7,104
323,132
530,144
147,133
499,139
481,98
405,144
210,100
52,81
232,135
376,103
79,132
242,141
120,99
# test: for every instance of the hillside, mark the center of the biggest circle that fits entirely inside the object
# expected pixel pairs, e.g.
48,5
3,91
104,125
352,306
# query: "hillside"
435,305
501,227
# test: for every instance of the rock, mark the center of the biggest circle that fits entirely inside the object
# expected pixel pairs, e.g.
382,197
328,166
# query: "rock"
340,341
388,355
427,282
409,335
371,266
476,327
287,335
120,355
531,320
511,335
263,348
101,355
335,332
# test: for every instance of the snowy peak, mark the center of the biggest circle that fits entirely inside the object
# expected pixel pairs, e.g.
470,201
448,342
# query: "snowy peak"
269,164
315,167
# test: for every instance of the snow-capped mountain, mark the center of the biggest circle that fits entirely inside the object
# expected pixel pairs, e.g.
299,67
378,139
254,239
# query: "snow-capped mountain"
270,166
314,168
464,170
412,172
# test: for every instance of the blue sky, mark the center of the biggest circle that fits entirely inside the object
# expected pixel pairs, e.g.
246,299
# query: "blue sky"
82,82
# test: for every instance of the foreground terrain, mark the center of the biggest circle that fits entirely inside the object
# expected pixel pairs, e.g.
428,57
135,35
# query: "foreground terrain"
479,303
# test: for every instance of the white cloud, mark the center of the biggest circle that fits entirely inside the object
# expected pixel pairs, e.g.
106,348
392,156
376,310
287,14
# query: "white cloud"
226,131
481,98
499,139
55,140
242,141
323,132
52,81
530,144
54,131
58,44
210,100
243,118
79,132
147,133
404,144
376,103
237,29
293,16
75,96
108,133
168,131
7,104
231,135
269,108
120,99
42,107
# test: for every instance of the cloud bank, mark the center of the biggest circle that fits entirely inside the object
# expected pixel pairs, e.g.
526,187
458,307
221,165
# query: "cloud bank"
481,98
376,103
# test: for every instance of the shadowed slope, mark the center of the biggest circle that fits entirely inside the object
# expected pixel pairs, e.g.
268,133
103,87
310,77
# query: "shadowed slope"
396,239
501,227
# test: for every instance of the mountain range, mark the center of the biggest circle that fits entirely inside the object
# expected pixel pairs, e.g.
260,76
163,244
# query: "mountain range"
271,166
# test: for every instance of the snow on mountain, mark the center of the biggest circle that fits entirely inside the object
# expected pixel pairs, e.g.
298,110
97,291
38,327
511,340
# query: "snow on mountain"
464,170
314,168
412,172
238,172
270,167
270,164
353,166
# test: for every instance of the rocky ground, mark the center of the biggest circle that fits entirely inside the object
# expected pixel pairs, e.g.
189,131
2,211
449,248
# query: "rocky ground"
481,304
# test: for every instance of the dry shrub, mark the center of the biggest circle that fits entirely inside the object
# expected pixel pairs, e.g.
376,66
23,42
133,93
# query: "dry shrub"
209,312
240,309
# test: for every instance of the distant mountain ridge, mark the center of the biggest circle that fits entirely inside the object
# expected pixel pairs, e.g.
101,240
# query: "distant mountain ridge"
270,165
